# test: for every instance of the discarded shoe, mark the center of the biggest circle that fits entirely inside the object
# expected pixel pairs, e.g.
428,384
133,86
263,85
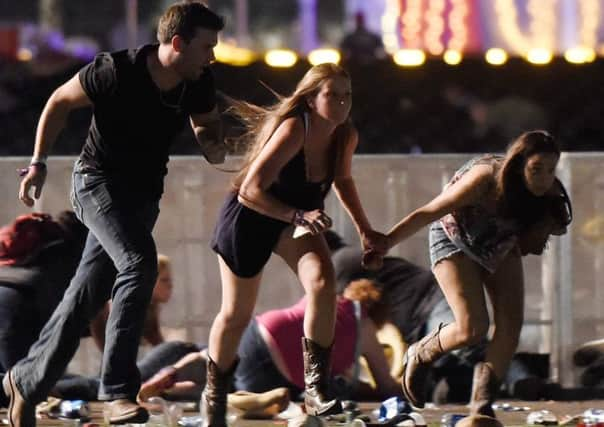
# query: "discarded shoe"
259,405
122,411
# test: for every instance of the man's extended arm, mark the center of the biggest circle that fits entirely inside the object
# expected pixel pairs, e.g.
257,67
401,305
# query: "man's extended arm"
66,98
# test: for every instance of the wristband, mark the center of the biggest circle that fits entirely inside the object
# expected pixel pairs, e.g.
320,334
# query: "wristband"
38,164
40,158
298,218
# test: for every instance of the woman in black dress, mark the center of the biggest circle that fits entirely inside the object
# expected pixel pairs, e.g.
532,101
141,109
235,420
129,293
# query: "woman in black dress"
299,148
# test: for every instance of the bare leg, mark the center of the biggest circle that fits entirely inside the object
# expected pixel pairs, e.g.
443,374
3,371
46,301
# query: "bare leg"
461,280
238,301
309,258
506,291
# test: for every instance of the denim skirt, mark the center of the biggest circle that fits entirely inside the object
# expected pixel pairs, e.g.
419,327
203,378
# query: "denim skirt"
441,247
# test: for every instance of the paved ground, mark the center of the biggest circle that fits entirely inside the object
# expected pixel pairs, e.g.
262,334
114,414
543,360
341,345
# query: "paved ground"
431,415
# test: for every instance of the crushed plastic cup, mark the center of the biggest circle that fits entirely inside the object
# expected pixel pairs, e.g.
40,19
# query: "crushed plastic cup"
594,414
194,421
163,413
392,407
506,407
542,418
449,420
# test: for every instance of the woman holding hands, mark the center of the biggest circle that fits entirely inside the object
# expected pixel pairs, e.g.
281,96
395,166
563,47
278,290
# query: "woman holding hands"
477,223
299,148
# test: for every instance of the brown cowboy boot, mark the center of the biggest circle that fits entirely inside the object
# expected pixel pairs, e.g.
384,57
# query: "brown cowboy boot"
485,386
213,405
316,379
416,366
484,390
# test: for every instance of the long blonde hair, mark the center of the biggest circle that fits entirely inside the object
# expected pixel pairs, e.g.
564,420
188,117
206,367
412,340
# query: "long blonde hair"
261,122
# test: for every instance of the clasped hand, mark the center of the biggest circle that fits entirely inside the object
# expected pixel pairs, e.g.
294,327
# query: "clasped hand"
375,246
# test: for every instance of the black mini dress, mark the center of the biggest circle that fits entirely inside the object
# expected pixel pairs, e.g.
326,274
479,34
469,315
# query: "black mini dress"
245,238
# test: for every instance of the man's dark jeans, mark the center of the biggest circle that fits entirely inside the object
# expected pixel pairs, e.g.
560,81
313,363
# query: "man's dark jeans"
119,247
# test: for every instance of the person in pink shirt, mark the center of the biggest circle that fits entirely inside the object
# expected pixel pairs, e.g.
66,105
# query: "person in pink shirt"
271,357
271,352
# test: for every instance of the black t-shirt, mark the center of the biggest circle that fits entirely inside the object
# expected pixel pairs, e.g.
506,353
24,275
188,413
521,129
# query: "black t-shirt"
410,291
133,123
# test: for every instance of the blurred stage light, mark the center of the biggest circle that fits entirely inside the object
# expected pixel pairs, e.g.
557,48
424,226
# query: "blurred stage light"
457,25
542,20
320,56
543,23
435,27
580,55
24,54
411,20
539,56
409,57
589,11
230,54
390,43
496,56
390,20
281,58
452,57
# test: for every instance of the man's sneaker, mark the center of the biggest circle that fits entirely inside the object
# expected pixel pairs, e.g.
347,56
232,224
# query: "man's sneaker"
122,411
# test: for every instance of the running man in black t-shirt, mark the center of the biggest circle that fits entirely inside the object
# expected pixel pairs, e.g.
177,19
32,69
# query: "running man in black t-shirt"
141,99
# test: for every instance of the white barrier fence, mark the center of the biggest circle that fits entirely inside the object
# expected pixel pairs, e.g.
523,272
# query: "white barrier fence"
564,289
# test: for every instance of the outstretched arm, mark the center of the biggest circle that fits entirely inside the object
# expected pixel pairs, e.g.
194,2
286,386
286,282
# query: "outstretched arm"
346,191
64,99
469,189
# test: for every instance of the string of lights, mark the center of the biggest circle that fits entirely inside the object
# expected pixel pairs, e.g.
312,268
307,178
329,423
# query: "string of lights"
435,27
411,19
413,28
390,20
458,25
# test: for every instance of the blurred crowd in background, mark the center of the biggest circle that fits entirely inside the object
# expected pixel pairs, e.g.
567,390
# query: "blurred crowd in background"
432,108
